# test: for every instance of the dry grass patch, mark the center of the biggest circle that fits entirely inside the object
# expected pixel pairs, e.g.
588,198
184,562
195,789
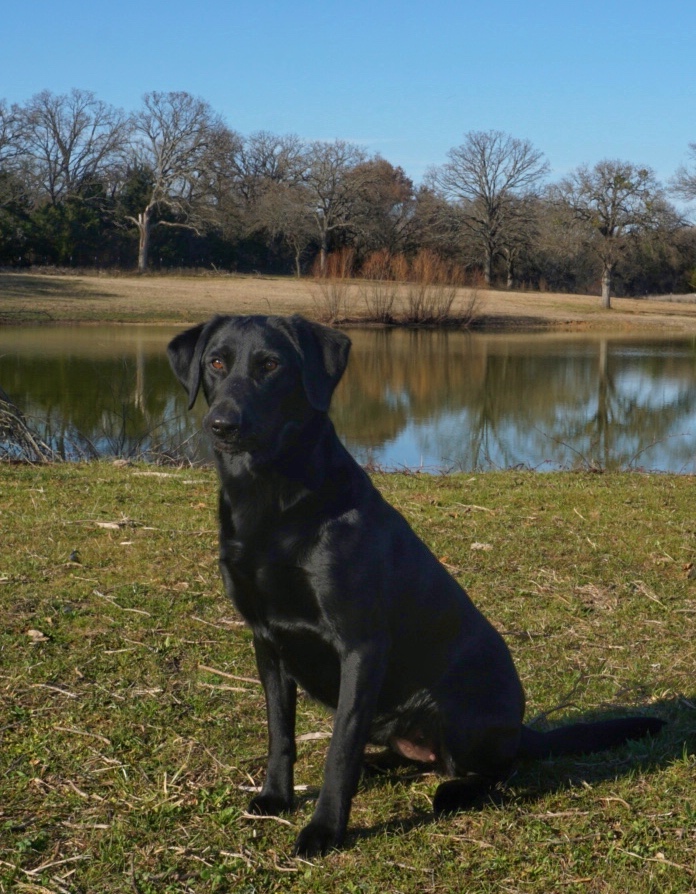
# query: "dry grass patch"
32,297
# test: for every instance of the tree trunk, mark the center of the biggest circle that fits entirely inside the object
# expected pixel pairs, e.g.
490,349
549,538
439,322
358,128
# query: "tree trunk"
144,234
606,285
487,264
323,251
510,269
298,268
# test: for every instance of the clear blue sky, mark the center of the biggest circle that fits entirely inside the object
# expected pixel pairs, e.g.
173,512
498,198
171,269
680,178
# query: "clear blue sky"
582,79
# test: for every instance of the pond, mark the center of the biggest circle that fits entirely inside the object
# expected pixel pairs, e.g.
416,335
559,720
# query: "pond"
430,400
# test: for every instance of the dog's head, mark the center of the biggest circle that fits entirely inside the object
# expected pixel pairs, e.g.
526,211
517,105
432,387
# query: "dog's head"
263,377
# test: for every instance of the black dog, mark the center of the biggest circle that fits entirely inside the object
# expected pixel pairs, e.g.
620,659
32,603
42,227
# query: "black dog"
341,595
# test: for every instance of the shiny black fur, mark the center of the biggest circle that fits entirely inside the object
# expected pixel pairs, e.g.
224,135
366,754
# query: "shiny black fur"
342,597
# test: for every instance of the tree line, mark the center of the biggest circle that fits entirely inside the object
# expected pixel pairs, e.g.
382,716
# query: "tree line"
83,184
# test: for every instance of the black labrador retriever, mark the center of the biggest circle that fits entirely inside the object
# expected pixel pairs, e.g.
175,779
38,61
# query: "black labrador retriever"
342,597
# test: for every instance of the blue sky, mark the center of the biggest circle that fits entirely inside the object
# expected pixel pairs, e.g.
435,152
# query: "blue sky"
583,80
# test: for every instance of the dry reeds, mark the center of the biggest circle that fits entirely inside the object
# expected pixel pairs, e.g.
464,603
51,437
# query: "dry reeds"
431,289
332,285
393,289
381,274
422,291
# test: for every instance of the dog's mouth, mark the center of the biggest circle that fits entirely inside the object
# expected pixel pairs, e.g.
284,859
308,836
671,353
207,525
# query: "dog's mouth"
230,447
234,444
259,445
228,436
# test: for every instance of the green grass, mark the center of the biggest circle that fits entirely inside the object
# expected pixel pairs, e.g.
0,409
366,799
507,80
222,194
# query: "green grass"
125,764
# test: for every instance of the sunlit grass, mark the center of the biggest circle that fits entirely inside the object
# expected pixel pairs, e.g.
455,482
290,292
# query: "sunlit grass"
101,296
132,726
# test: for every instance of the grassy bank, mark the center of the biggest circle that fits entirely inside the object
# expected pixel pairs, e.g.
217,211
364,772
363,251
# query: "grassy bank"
132,726
61,298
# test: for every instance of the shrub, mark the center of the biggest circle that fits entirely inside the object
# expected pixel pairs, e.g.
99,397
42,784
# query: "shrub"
332,285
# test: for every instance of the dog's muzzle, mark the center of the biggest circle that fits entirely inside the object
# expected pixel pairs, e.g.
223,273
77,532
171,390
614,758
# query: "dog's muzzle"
226,430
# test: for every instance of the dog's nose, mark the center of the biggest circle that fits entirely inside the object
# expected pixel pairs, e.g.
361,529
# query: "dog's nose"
224,426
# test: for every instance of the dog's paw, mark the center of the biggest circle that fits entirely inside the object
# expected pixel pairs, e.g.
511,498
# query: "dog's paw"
317,839
268,805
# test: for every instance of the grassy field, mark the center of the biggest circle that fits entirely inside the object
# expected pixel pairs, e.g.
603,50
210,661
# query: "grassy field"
133,728
31,297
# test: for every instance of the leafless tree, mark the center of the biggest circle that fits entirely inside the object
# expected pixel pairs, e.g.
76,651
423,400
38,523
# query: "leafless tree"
264,159
175,138
283,211
9,126
329,191
521,233
683,184
12,185
559,255
265,174
488,175
226,209
613,201
68,142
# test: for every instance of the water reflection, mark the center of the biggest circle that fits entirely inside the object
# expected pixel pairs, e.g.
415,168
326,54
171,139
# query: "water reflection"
464,401
435,400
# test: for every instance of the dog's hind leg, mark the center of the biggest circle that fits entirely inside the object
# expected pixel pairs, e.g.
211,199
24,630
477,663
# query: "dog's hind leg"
475,773
465,793
478,754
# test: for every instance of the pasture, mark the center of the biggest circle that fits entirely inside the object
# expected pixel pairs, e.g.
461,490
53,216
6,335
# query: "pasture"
133,728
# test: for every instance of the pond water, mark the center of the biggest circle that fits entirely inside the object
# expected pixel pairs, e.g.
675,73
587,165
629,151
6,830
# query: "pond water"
415,399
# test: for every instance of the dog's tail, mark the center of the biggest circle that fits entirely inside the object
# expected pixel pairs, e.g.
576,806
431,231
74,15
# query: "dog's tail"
584,738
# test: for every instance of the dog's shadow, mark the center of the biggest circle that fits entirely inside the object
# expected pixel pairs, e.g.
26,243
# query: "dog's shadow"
532,780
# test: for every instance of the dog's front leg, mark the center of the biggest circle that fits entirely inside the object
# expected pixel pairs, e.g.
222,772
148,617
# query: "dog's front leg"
361,679
281,697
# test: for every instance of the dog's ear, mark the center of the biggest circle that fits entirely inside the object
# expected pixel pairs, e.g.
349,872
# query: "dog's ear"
324,352
185,351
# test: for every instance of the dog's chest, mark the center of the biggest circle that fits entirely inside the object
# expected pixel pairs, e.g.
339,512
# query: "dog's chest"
280,605
269,587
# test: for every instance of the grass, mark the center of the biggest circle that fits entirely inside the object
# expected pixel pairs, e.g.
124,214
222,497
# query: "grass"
132,728
39,297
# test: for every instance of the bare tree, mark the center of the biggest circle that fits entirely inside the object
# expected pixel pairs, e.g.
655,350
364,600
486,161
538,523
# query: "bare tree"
329,191
9,127
265,187
488,175
175,138
68,142
283,212
226,210
559,256
264,159
683,184
521,232
12,185
614,200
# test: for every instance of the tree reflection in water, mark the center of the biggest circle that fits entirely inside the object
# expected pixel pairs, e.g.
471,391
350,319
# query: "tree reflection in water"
410,398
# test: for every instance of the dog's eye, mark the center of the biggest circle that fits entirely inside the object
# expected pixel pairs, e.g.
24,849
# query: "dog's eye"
217,364
270,365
